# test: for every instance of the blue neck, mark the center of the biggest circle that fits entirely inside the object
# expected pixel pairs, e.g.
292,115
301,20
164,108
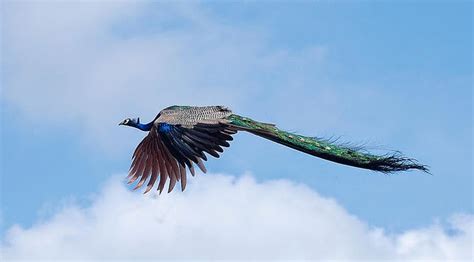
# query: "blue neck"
144,127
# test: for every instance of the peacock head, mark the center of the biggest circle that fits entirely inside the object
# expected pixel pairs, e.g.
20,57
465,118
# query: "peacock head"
133,122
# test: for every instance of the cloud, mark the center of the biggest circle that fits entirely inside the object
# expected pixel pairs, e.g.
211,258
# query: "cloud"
224,217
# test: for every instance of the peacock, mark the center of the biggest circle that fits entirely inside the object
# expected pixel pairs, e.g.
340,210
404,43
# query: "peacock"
180,137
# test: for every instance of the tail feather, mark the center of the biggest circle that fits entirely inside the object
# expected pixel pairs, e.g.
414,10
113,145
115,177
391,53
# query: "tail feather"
352,156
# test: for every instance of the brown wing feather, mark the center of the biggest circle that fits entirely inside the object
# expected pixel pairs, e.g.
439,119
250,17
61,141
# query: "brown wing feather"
182,171
156,167
144,163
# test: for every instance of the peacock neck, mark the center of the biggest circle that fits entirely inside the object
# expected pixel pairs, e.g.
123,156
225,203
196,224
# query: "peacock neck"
144,127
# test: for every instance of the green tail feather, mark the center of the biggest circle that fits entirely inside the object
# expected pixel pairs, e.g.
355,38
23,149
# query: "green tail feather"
356,157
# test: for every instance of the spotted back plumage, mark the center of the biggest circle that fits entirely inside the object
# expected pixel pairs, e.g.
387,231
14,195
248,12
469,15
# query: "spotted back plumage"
189,116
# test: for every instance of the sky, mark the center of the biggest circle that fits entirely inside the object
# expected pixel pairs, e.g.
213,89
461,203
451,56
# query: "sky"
392,76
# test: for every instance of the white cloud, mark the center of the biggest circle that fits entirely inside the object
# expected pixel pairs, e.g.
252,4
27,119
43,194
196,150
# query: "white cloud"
223,217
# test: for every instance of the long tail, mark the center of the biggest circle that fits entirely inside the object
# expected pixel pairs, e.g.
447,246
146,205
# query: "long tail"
346,155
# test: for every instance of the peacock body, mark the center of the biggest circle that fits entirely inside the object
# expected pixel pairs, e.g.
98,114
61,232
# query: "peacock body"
180,137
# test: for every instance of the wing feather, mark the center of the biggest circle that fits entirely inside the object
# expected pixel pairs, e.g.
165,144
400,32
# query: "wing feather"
153,178
148,166
206,145
136,159
182,171
201,166
141,162
163,172
156,167
184,148
171,166
174,148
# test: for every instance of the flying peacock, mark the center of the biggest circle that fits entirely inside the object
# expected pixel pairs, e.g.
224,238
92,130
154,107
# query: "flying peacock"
179,137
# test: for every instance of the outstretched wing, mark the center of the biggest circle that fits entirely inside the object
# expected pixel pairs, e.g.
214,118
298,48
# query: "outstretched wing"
152,159
171,148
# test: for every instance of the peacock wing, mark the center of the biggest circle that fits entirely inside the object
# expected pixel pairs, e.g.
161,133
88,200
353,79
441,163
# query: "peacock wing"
179,139
153,160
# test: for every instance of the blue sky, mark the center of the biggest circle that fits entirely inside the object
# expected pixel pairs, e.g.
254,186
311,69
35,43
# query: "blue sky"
391,75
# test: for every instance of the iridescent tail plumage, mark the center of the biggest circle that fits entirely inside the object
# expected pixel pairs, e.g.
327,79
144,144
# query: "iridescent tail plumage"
356,157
